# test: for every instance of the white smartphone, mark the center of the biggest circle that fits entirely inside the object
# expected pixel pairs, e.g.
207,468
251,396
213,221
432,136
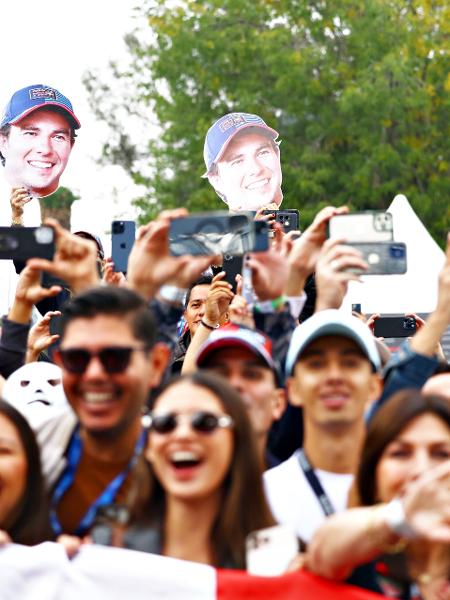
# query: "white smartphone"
269,551
365,226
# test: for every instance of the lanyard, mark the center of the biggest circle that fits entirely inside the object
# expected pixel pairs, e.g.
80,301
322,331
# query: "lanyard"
108,495
316,486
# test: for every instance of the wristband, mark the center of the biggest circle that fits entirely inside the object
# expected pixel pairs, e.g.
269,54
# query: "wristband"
395,518
210,327
270,306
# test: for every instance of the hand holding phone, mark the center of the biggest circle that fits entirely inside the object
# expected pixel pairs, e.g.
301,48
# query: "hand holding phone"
122,240
270,551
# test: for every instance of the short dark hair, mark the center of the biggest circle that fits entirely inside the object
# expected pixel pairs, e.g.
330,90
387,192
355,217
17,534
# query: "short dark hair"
114,301
386,426
31,523
203,280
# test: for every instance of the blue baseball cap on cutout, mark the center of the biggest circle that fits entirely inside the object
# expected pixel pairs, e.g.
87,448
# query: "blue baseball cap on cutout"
25,101
224,129
332,322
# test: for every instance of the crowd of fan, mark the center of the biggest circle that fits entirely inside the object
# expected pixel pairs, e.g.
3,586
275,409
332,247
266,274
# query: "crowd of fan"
181,416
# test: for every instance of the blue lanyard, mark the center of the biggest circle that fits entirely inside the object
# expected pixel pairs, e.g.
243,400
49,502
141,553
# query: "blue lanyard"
108,495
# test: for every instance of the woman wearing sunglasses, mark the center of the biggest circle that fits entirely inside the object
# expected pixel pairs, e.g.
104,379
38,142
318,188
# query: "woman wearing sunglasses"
205,480
24,517
403,532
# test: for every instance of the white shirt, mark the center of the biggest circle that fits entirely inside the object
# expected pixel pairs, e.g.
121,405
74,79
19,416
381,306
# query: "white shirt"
292,500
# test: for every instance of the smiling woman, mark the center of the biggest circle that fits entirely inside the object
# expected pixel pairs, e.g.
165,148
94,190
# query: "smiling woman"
23,504
206,491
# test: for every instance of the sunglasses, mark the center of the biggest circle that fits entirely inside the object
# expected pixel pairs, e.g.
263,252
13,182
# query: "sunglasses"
202,422
114,359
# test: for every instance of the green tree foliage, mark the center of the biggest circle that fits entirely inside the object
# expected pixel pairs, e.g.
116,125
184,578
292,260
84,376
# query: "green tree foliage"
58,205
359,91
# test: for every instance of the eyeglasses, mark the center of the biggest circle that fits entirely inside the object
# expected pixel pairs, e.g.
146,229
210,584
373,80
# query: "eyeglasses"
114,359
202,422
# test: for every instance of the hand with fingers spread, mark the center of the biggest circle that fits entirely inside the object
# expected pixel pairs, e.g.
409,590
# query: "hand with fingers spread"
19,197
151,265
29,292
305,250
75,259
332,275
39,337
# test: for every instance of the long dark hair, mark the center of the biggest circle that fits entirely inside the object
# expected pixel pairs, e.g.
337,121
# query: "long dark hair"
385,427
243,507
31,521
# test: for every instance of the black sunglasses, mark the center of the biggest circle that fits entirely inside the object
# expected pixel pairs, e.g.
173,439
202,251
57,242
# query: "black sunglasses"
114,359
202,422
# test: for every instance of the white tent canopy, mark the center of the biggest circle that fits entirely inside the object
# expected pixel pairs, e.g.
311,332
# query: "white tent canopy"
416,290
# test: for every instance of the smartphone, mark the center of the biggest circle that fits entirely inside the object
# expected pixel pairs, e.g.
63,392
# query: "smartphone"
288,217
365,226
269,551
123,234
22,243
383,258
394,327
216,232
232,265
356,308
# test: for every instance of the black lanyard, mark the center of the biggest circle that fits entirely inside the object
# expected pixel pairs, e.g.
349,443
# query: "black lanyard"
316,486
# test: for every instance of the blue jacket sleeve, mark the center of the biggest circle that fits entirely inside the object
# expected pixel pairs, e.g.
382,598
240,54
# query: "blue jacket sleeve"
406,369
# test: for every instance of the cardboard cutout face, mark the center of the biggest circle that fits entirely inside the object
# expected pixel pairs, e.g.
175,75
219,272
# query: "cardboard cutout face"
36,384
36,151
249,172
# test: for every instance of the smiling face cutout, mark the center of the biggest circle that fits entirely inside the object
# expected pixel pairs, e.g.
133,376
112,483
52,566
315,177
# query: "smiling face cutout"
36,151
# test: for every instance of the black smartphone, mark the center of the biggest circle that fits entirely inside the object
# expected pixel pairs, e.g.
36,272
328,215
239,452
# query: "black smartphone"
394,327
364,226
232,265
288,217
356,308
216,232
22,243
123,234
383,258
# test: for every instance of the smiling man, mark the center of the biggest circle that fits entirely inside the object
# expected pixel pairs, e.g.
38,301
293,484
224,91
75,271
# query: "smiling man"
242,160
332,367
110,361
37,133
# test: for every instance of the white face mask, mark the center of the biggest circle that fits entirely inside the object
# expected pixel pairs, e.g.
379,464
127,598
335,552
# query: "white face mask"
35,384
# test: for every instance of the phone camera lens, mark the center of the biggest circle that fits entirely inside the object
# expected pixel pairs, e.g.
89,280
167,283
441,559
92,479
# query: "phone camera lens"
409,323
118,227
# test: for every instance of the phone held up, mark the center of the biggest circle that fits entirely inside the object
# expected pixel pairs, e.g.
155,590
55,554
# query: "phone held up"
122,239
288,217
22,243
365,226
217,232
394,327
